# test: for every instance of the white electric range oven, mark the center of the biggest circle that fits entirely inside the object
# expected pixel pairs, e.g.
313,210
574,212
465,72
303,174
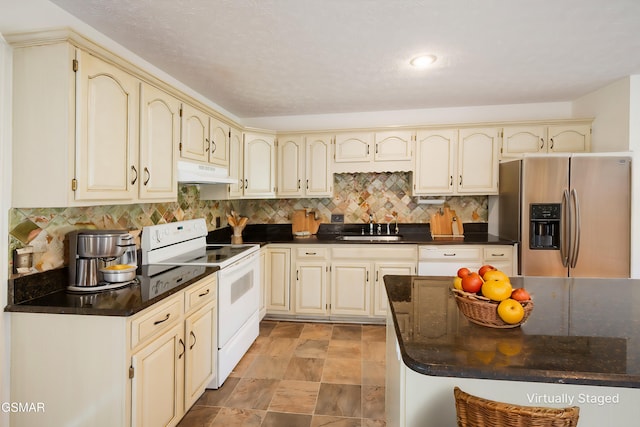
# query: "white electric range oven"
183,243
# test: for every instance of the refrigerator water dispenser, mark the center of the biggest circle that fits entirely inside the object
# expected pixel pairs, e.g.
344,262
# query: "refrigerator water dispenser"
545,226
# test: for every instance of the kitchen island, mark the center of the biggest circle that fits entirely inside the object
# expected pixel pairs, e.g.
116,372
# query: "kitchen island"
580,346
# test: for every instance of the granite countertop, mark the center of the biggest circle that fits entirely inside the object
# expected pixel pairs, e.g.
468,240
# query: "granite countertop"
420,234
581,331
46,292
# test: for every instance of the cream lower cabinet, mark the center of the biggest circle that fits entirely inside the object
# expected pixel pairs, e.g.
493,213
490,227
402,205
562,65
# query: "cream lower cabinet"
143,371
311,275
445,260
278,279
357,272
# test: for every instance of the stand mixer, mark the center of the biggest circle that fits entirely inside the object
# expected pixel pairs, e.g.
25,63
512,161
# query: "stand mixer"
96,257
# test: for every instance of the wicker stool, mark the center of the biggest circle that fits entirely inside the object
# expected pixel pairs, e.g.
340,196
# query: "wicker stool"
473,411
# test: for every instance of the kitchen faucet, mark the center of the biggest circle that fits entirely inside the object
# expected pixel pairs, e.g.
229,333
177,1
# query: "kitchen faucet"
370,223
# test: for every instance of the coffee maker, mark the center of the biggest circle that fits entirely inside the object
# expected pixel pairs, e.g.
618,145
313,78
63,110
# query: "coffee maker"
93,251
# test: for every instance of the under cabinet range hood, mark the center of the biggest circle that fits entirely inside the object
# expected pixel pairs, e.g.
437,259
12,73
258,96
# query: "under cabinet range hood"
196,173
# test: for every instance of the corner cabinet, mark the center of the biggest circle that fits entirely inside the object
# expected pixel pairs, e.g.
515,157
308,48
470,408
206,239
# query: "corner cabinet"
152,366
456,161
204,138
90,110
540,139
304,166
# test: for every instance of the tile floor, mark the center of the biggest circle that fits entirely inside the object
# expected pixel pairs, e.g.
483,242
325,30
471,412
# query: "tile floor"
302,375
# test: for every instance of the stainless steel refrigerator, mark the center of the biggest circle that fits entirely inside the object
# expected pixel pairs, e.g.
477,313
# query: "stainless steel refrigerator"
570,214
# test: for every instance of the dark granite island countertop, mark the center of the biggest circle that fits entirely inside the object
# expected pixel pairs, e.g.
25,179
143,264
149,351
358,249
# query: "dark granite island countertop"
580,346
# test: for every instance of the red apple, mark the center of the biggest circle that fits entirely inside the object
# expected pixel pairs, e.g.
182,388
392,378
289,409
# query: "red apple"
472,283
520,294
464,271
484,269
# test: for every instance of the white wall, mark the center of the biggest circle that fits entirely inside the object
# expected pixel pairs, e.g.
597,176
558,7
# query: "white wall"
610,107
634,147
5,198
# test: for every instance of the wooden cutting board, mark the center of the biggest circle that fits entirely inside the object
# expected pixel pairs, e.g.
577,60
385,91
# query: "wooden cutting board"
304,222
443,224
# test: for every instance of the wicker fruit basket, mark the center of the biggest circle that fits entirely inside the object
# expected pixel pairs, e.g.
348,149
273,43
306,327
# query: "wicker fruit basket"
483,311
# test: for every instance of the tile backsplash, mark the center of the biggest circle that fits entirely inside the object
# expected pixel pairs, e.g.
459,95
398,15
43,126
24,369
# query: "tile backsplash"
355,196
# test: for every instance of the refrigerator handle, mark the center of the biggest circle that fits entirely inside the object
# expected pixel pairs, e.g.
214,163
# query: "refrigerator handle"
576,243
565,237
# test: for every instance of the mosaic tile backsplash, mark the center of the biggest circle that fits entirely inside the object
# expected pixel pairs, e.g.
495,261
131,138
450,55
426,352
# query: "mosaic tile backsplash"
355,196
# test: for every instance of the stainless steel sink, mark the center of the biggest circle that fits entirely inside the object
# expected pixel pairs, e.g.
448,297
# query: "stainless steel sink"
371,238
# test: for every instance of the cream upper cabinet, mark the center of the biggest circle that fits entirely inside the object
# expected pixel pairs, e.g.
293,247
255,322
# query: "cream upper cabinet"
456,161
99,135
373,151
393,145
107,121
259,165
478,161
236,163
304,166
561,138
569,139
354,147
194,143
219,135
435,162
318,171
159,136
291,156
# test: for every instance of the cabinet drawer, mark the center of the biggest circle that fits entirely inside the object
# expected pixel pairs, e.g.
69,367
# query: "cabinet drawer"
201,293
498,253
375,251
452,253
156,320
312,253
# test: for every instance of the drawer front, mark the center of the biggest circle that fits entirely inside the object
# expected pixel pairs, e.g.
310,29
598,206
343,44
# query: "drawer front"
498,253
452,253
312,253
201,293
156,320
376,251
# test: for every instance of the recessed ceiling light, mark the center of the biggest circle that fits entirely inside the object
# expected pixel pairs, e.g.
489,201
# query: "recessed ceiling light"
423,61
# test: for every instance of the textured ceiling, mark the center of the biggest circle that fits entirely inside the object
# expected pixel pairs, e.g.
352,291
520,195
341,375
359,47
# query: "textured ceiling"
260,58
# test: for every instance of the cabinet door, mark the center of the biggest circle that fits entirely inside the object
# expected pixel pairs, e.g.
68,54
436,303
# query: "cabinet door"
311,287
435,162
478,161
200,363
278,279
219,134
290,166
380,294
319,178
259,165
195,134
159,135
107,120
517,140
353,147
393,145
350,290
569,139
236,159
157,388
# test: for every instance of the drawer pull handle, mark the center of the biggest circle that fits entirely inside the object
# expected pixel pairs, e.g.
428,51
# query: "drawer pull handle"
183,349
453,254
204,293
157,322
194,340
310,253
497,254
